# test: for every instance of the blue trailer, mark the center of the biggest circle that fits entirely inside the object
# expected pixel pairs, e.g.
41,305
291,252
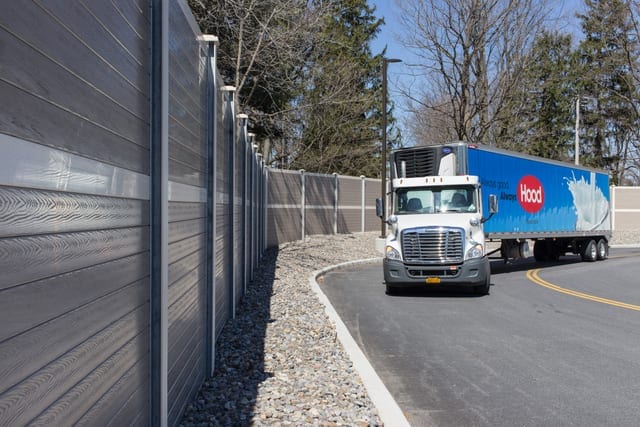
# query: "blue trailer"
449,201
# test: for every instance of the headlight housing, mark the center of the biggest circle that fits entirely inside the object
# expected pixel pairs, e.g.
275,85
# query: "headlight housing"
392,253
475,251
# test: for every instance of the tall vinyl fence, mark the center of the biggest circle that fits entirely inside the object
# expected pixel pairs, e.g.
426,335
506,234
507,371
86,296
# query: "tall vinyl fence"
301,204
625,214
131,211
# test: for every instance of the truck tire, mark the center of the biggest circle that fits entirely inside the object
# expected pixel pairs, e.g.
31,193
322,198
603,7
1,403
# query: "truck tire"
540,252
589,251
484,288
602,249
390,290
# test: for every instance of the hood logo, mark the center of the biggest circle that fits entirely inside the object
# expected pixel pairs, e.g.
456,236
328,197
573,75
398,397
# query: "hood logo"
530,194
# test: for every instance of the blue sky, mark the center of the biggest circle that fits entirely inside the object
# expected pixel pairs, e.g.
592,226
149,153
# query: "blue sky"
563,10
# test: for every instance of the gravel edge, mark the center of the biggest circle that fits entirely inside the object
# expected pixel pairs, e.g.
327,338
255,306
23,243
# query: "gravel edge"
279,362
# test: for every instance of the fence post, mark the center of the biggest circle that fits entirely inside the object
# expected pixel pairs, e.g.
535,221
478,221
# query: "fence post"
335,203
243,120
302,202
612,209
210,263
362,201
264,205
159,213
229,191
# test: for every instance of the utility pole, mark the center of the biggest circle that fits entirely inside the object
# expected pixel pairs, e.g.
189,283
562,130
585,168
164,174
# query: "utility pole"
577,147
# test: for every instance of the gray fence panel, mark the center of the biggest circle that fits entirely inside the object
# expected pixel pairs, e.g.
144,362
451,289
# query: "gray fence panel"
224,213
349,204
187,292
104,112
284,207
625,214
319,204
371,193
76,223
74,247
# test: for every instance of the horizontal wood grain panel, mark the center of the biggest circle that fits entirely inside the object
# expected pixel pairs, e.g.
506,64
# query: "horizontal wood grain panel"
185,265
46,386
70,407
53,254
181,211
27,306
189,284
39,76
120,23
182,317
24,354
124,80
184,125
135,410
185,247
118,396
182,154
37,120
189,344
179,172
182,229
28,212
194,375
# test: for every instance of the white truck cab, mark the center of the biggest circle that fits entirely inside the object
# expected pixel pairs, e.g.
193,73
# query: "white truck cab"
435,234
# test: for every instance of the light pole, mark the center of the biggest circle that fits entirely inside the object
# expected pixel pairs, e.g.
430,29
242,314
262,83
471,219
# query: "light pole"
385,62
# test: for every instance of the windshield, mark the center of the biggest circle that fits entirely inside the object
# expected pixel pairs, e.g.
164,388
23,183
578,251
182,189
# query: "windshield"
419,200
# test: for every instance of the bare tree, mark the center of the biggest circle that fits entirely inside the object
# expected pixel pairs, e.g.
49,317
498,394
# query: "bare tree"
263,50
629,161
471,56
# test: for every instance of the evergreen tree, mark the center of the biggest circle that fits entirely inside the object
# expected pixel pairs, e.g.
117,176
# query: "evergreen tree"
540,115
606,53
340,101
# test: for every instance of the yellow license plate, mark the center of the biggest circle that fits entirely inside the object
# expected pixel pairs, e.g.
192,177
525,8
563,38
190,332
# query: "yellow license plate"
432,280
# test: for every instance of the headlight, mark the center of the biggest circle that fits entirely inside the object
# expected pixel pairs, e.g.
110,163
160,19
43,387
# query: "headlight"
392,253
475,251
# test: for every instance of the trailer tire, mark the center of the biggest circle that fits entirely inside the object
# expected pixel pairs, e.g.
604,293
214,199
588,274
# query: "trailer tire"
540,252
589,251
602,250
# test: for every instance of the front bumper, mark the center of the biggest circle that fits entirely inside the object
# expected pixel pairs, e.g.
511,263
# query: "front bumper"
473,272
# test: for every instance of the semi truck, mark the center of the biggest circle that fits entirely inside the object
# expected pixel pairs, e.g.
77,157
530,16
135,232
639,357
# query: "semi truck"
453,206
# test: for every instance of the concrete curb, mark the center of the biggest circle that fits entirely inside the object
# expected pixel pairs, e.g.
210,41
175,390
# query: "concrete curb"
388,409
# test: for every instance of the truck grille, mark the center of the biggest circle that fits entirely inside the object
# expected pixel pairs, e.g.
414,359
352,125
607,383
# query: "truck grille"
433,245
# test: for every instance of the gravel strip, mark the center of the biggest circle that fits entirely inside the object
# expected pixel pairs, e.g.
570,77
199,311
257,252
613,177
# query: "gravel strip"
279,361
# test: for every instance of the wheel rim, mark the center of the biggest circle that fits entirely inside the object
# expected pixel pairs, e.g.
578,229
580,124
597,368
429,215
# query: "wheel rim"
602,249
593,252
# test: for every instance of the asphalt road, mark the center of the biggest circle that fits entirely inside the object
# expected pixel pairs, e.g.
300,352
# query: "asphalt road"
558,346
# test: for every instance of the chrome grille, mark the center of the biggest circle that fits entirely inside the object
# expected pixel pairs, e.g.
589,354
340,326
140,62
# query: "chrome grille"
433,245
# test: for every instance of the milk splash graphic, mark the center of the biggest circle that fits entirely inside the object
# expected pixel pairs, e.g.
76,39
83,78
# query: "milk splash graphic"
592,207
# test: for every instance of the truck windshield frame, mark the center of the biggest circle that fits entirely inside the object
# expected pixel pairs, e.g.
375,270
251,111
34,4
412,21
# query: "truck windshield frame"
436,200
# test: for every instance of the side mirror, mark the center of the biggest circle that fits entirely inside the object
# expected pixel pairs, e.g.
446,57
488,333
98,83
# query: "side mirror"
379,208
493,204
493,207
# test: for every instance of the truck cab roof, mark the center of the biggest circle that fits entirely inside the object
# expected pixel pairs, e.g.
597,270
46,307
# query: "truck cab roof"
435,180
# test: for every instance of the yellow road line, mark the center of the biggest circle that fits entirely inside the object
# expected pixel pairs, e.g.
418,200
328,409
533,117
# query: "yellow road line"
535,278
